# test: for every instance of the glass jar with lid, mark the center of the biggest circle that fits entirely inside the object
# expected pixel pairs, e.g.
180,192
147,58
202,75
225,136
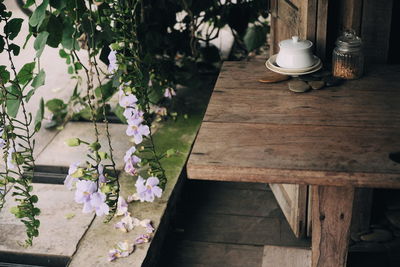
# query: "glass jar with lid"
348,58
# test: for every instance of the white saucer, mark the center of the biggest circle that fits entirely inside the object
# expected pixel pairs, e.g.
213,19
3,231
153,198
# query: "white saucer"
271,64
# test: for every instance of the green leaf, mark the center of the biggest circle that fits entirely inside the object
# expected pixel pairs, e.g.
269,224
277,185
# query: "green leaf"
40,43
39,79
39,115
78,66
4,75
63,54
13,102
39,14
255,37
106,91
34,199
70,70
27,39
15,49
29,3
12,28
67,41
29,95
26,73
2,43
55,105
119,112
58,4
55,30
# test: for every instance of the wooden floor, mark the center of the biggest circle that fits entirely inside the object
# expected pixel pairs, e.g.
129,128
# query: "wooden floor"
228,224
225,224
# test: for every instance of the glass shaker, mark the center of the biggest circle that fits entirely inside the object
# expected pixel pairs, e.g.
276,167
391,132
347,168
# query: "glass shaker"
348,58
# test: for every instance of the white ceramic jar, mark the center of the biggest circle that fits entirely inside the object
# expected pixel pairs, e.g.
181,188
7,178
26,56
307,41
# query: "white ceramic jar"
295,54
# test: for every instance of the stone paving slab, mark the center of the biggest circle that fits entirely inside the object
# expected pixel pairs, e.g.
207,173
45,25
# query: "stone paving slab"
57,153
60,230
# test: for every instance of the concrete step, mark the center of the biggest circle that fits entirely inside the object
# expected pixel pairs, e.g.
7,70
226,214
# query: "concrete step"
62,227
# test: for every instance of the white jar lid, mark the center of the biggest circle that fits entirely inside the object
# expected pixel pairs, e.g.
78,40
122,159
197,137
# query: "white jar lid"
295,43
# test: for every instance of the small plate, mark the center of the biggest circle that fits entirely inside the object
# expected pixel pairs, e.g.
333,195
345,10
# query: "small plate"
271,64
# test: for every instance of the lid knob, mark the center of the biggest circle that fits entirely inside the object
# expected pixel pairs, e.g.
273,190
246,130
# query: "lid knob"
295,39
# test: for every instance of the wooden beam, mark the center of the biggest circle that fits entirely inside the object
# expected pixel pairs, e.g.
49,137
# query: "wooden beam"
332,211
321,29
375,29
350,15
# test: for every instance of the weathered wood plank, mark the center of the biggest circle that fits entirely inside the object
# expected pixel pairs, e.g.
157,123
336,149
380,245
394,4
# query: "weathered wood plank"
292,200
231,201
295,154
286,257
240,230
332,211
321,29
190,254
199,185
362,208
276,104
375,29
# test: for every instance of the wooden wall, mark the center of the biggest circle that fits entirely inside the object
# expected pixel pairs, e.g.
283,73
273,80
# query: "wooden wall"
371,19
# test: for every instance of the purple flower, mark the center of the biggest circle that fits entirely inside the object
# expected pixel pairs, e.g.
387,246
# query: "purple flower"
137,130
169,93
97,201
129,153
148,189
84,191
122,207
145,238
148,225
112,59
70,181
113,254
133,113
126,224
130,165
102,178
127,100
121,250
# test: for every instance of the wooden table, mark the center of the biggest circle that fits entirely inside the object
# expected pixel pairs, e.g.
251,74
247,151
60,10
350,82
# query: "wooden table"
337,139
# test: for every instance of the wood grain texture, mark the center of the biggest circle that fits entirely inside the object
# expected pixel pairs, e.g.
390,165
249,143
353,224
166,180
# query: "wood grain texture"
292,200
342,106
295,154
351,14
332,211
196,254
362,208
290,18
264,133
275,256
375,29
321,29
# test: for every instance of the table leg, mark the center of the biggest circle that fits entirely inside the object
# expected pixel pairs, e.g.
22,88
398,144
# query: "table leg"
331,218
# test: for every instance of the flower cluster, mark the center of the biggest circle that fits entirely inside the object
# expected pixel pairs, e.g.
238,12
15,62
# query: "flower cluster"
88,183
127,224
146,190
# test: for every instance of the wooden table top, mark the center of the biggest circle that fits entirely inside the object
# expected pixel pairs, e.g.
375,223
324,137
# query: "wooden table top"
265,133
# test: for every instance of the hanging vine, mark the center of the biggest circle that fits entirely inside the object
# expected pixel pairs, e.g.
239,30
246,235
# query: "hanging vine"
17,134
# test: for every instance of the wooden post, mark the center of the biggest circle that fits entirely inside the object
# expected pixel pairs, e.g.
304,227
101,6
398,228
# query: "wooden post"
332,210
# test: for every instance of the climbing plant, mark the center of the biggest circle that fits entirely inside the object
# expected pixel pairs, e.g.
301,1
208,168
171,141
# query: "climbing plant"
132,50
